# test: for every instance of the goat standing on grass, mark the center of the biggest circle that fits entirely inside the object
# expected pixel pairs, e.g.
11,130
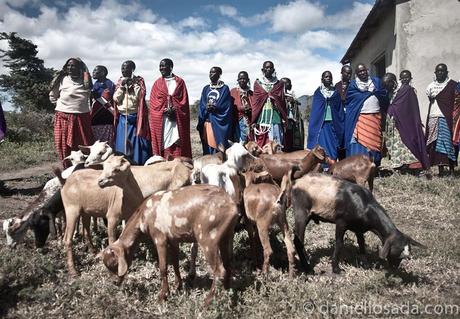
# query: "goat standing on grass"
265,205
113,194
351,207
199,213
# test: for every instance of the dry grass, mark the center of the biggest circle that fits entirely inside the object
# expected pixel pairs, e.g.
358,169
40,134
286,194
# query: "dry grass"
34,283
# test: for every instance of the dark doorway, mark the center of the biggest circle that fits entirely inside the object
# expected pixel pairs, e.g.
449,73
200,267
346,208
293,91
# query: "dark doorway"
378,66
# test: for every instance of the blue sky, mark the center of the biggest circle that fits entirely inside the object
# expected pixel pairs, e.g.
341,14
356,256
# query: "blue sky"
303,38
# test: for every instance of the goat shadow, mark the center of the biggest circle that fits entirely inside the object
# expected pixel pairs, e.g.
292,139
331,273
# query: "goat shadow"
5,191
370,260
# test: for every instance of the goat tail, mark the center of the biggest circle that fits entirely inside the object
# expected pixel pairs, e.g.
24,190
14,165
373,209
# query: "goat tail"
58,172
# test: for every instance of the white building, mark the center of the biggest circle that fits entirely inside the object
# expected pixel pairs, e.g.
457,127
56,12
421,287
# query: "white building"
413,35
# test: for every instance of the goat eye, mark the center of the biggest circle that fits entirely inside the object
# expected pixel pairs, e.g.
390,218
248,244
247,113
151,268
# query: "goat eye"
101,153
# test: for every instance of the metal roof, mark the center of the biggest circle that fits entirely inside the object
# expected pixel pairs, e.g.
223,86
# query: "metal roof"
373,19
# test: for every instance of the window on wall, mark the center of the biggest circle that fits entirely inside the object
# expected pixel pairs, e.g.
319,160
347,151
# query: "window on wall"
378,66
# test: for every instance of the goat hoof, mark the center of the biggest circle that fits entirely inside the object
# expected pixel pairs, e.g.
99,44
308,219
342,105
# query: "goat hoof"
162,297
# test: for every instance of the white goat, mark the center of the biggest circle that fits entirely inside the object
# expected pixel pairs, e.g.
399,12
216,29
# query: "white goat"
238,158
15,228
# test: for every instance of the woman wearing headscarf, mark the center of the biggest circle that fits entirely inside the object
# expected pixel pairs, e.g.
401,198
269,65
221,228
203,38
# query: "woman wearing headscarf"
132,135
215,114
70,92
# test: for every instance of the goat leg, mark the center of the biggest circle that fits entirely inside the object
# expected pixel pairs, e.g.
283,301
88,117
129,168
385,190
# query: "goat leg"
226,252
301,221
68,239
192,271
282,223
215,261
339,233
174,254
254,242
86,221
162,261
265,240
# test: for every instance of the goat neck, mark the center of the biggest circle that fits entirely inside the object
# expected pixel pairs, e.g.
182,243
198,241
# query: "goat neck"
382,225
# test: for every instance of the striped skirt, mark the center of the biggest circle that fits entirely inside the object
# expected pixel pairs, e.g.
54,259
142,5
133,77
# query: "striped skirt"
71,130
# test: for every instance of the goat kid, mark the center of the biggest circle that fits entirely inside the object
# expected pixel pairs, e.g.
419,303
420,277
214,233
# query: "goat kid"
199,213
351,207
265,205
113,194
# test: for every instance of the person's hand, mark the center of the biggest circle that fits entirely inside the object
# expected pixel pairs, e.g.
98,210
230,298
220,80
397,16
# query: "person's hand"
127,82
247,110
210,108
170,113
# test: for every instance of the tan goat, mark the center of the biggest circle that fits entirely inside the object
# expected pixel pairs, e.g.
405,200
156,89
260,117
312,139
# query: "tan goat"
357,169
265,205
114,194
199,213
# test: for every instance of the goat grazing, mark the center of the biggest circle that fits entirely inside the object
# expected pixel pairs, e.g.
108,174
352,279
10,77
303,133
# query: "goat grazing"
199,213
113,194
357,169
42,210
350,207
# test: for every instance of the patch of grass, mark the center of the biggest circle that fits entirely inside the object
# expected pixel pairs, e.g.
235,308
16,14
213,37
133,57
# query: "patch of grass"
16,156
34,283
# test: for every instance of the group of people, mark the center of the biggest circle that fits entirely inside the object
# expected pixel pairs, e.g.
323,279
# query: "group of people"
118,113
363,115
366,115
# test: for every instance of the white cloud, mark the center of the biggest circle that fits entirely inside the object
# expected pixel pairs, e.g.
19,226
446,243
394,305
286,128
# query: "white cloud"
118,32
297,16
351,18
228,11
192,23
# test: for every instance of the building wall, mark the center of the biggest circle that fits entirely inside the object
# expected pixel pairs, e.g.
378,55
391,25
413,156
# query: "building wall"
417,35
428,33
381,41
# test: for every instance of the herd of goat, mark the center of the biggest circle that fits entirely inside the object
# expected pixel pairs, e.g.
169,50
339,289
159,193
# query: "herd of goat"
202,201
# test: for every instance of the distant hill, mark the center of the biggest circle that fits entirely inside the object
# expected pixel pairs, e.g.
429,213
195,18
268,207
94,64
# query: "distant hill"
305,105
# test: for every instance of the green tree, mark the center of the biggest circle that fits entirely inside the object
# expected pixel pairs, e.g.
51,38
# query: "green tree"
28,80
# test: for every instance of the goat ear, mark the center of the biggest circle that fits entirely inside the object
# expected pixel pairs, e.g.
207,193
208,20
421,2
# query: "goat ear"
385,249
85,149
107,153
221,148
416,243
122,264
230,142
319,153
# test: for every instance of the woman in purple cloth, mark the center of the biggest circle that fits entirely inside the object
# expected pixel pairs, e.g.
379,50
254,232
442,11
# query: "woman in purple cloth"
404,136
2,124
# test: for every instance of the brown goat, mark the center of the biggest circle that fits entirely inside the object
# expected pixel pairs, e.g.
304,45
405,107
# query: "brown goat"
199,213
278,166
253,148
272,147
357,169
265,205
113,194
